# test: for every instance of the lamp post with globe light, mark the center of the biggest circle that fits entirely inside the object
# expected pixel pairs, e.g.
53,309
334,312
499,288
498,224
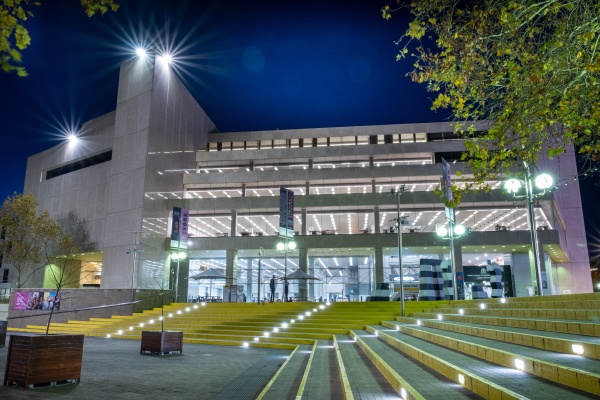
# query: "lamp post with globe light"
285,246
454,231
543,182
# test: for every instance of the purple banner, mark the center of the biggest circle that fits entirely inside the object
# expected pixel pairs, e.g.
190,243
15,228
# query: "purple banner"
185,217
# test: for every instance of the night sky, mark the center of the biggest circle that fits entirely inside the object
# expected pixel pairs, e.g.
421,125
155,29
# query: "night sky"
250,65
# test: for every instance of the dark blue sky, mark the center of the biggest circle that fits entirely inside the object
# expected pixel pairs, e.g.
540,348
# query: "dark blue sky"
250,65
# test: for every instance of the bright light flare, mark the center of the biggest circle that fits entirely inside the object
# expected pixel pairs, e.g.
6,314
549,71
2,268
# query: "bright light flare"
165,59
141,52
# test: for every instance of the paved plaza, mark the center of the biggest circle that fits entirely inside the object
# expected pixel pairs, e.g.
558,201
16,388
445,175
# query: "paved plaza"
115,369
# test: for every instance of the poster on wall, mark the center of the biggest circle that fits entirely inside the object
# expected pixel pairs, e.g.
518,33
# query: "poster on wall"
36,301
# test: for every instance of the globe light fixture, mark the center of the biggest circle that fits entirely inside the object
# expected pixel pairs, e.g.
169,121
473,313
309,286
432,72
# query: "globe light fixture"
543,181
442,231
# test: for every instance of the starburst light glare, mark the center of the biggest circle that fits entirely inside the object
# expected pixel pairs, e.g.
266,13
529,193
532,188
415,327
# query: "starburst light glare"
141,52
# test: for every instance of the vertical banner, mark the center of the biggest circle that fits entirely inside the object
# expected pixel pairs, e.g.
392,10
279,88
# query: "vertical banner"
447,187
183,226
175,227
286,213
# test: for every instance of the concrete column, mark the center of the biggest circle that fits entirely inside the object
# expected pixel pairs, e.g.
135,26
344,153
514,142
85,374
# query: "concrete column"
311,271
307,188
251,166
378,266
231,267
373,186
371,161
377,220
310,163
303,265
243,190
234,223
303,219
249,279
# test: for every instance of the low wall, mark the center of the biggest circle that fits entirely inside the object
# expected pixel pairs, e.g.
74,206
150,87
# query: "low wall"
76,304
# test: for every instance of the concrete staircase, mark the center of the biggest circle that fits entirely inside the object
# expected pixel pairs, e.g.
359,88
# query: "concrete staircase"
517,348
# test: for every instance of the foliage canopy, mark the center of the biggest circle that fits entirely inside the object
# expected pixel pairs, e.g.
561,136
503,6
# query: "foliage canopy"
530,66
14,37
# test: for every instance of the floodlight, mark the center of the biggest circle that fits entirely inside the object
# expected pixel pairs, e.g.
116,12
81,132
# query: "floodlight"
141,52
72,138
291,245
165,59
280,246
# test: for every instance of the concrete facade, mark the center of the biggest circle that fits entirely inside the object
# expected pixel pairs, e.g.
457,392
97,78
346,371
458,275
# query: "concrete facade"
164,155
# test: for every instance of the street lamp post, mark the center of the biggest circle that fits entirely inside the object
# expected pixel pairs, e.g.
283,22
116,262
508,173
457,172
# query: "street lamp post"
454,231
260,256
399,220
178,256
285,246
543,182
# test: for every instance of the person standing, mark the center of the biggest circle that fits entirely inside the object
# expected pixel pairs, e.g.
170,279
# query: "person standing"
285,290
272,287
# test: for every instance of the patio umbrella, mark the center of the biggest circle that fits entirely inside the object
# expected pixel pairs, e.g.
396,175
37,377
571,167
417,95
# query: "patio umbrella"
210,274
301,275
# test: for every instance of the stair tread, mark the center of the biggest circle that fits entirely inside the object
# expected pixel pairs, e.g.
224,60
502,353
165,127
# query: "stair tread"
426,381
527,385
565,360
288,381
323,381
366,382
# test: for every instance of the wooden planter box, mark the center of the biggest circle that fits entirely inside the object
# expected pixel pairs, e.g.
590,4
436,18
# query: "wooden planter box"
34,359
3,325
162,342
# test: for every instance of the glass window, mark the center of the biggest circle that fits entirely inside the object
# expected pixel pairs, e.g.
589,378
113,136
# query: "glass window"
362,140
279,144
348,140
321,142
238,145
251,145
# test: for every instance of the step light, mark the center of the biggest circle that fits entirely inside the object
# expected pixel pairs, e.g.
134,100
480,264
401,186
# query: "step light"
170,315
503,300
141,324
461,379
195,306
275,329
266,334
482,306
108,335
314,310
131,328
284,325
245,344
300,316
187,309
519,364
419,322
151,321
307,313
461,311
256,339
398,326
322,307
178,311
440,317
328,304
160,318
120,332
577,349
376,334
403,393
203,304
292,321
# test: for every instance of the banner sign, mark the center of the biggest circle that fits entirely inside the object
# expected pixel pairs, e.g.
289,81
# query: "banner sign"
447,187
36,301
286,213
179,228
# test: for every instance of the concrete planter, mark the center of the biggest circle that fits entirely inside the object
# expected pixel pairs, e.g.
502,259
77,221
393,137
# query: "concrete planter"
162,342
35,359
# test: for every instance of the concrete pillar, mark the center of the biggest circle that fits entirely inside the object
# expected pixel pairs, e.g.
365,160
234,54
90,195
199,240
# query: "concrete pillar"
373,186
311,271
251,166
310,164
378,266
303,220
231,267
243,190
371,161
303,265
307,188
234,223
249,279
376,218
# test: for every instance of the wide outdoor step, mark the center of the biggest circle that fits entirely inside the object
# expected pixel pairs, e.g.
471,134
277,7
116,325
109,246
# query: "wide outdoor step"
408,374
489,380
572,314
321,379
552,341
286,382
570,370
360,377
588,328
